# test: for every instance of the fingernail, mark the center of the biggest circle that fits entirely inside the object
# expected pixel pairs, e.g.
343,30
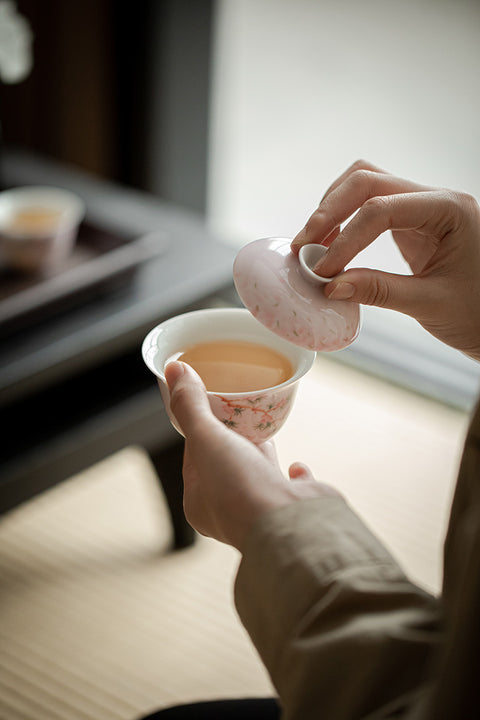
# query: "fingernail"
173,371
341,291
298,470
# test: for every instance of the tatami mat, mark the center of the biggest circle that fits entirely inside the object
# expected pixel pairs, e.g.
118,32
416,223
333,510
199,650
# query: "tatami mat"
99,620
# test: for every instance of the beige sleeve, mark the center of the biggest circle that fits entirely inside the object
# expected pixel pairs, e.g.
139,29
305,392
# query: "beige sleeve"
339,627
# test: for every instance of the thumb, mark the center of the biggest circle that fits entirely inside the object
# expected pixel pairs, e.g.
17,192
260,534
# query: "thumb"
406,293
188,397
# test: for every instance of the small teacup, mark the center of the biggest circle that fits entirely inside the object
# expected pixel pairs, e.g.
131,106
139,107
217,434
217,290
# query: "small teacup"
256,415
38,227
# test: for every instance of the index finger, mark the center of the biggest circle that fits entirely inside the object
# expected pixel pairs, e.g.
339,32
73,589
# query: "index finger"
345,197
432,214
358,165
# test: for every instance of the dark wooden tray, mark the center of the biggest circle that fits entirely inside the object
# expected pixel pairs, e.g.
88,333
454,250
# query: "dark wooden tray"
101,260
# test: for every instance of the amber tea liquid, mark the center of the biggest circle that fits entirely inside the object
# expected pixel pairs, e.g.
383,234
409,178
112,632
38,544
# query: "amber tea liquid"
34,220
234,366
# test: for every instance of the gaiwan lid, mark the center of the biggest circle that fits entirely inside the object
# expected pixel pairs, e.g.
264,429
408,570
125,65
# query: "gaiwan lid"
283,293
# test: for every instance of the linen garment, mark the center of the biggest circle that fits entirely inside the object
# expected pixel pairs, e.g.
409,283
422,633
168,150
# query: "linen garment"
343,632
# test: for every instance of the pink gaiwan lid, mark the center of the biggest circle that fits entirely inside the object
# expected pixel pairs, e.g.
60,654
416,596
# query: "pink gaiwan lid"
273,285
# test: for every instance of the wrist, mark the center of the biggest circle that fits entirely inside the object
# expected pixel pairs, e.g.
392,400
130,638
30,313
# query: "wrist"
270,500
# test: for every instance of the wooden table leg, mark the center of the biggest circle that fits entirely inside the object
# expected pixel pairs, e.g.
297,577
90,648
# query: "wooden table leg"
168,464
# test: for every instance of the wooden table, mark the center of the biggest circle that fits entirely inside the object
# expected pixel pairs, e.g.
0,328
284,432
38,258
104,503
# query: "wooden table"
73,386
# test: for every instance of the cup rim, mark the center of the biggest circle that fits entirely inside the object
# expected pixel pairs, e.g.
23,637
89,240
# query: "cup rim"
305,362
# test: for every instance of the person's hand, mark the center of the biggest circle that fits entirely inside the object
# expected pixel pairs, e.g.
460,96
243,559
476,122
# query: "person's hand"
438,234
228,482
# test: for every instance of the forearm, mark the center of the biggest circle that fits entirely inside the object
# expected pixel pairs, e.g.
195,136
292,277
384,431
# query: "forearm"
341,630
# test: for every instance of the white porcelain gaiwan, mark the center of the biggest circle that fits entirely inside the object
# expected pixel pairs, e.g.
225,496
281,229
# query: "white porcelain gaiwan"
283,293
257,415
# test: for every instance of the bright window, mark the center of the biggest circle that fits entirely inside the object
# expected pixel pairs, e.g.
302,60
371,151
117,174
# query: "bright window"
303,88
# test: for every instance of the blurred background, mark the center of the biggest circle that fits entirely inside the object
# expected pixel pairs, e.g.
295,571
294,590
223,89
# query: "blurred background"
244,111
240,113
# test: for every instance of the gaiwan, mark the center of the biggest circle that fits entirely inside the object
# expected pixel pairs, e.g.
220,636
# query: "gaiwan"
285,296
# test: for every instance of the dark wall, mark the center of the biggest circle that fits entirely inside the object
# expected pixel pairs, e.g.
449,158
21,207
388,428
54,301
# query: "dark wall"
65,108
119,89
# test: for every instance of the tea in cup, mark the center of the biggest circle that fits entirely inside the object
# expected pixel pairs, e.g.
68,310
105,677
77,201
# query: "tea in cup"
237,366
251,375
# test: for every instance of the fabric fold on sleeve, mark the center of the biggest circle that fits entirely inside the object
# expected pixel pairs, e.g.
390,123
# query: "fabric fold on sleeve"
340,628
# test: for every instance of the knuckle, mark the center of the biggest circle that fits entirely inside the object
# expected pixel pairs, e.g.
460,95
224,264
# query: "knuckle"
362,183
321,223
360,176
377,204
377,211
376,293
463,200
457,197
462,208
359,164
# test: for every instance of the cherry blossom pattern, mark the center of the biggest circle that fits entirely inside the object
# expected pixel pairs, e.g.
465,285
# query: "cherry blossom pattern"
258,416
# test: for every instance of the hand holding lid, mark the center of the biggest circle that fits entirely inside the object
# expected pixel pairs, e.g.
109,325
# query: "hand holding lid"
286,296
